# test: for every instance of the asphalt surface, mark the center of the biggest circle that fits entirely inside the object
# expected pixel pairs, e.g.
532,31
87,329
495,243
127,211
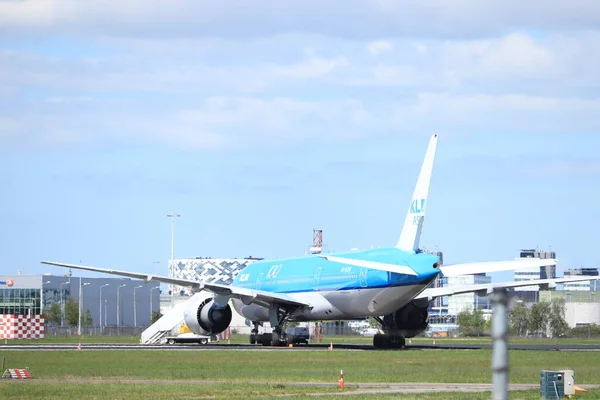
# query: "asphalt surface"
310,347
350,388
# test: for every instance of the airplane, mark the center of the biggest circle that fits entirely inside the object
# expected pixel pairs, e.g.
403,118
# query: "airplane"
388,284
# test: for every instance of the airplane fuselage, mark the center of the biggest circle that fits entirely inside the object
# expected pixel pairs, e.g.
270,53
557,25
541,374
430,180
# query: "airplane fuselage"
337,291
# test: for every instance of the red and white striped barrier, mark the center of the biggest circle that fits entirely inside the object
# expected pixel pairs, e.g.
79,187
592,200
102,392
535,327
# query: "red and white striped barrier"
16,373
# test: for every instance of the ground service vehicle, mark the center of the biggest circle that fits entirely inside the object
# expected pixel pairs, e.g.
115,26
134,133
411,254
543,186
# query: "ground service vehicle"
189,338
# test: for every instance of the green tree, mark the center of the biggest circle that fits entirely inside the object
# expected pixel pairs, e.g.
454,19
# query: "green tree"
72,312
86,318
156,315
556,320
587,331
53,314
539,317
471,323
519,319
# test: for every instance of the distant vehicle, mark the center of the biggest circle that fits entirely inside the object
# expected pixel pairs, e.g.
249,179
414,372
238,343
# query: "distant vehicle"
189,338
299,334
369,332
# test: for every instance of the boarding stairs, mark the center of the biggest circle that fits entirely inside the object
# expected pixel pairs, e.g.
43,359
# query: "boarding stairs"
165,325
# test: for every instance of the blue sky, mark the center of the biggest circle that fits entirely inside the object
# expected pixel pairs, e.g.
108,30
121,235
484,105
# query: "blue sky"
259,122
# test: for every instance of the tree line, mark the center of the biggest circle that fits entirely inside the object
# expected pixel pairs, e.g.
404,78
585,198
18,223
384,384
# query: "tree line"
53,314
541,319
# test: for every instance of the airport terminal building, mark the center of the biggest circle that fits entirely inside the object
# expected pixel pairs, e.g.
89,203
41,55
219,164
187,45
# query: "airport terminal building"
111,301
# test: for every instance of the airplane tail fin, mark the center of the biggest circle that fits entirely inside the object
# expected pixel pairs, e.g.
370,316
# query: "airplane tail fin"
413,224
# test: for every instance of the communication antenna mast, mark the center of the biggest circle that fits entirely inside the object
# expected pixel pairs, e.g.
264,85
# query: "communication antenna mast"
317,244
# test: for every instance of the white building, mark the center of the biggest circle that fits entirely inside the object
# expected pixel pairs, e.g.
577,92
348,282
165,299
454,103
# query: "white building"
533,273
212,270
527,274
467,301
581,286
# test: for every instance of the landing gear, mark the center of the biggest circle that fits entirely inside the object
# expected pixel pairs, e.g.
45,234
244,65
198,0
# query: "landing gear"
391,339
385,341
276,338
254,336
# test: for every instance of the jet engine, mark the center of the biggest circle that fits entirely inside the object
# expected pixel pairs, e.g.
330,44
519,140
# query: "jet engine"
204,317
409,320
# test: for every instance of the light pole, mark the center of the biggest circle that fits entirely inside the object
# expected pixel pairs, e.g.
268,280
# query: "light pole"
172,216
100,321
154,288
118,301
62,298
80,305
135,307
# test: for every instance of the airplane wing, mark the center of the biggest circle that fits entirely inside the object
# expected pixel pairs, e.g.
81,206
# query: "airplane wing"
248,296
451,269
488,288
494,266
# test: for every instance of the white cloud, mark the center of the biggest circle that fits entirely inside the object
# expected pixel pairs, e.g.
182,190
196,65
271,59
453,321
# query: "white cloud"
379,46
282,89
254,18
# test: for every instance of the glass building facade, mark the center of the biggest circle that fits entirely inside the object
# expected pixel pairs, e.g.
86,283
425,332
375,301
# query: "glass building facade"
20,301
21,295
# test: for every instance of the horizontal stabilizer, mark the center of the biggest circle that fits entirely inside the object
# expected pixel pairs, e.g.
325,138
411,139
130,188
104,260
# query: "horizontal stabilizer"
399,269
488,288
495,266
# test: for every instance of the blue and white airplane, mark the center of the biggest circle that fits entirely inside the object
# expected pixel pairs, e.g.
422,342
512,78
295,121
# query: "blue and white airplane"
390,284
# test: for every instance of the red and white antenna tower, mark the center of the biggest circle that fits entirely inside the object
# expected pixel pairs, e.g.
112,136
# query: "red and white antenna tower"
317,244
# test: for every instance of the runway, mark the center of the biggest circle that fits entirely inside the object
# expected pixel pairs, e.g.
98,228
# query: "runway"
310,347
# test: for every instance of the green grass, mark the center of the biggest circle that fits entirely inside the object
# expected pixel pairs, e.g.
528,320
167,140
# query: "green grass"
243,339
282,365
118,391
221,374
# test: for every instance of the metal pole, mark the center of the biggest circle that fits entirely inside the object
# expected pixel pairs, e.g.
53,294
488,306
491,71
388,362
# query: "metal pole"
63,300
100,322
118,315
135,306
118,306
500,344
80,306
172,216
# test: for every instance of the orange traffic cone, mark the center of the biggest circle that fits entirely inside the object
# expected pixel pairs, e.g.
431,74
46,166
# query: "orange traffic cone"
341,380
79,345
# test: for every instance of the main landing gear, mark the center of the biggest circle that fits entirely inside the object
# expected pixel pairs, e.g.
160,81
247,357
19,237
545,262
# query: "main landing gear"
385,341
390,339
276,338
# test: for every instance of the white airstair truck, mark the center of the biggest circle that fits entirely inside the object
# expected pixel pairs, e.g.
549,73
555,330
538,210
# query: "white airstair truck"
171,328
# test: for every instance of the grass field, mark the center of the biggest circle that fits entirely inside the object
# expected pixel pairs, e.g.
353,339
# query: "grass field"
251,374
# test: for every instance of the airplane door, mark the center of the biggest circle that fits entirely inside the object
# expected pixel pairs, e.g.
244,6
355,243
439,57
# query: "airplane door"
363,277
317,278
259,280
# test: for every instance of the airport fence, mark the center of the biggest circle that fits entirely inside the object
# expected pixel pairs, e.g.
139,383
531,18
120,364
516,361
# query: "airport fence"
94,330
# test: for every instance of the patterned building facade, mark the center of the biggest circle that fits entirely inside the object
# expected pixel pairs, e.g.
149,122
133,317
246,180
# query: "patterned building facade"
211,270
